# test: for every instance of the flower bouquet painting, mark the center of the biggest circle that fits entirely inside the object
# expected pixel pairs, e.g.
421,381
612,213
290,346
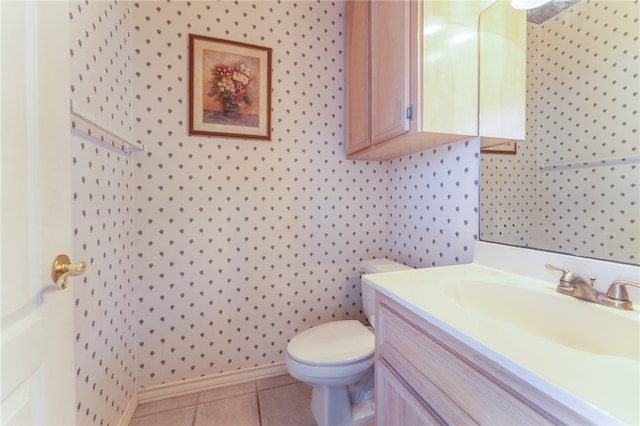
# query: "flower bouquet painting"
230,89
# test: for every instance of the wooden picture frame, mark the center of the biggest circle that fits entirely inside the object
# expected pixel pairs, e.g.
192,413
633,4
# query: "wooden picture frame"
229,89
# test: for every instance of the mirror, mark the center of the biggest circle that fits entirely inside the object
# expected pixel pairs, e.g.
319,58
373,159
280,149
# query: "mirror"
573,185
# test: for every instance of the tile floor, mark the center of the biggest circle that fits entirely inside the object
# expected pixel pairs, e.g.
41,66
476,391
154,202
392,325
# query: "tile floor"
278,401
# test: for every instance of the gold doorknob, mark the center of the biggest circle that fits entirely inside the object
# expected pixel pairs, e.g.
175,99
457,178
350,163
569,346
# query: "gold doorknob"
62,269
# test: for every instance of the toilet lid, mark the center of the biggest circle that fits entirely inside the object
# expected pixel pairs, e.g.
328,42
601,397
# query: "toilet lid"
337,342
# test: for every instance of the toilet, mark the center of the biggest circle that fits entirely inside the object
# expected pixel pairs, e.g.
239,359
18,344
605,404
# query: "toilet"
336,359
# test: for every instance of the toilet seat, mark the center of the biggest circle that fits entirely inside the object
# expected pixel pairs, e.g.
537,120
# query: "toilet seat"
334,343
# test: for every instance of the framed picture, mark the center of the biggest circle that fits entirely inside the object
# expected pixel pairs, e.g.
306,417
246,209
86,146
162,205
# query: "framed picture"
229,89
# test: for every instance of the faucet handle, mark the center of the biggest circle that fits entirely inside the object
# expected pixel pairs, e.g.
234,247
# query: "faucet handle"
566,279
617,295
566,285
557,268
569,277
618,291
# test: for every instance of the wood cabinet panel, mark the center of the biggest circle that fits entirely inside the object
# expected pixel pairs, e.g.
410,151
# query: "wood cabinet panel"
403,406
357,71
450,67
434,399
390,69
502,33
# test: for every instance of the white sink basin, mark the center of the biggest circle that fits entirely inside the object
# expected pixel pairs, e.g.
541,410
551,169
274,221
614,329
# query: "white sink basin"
567,321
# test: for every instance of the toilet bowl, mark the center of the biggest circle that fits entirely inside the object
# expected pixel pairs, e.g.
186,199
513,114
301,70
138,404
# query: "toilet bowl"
337,360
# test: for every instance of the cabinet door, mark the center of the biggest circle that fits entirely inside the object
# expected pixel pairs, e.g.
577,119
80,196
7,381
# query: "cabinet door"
503,38
400,406
449,102
390,69
357,69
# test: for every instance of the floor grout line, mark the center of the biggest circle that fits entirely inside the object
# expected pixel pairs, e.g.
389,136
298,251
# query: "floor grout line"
195,413
259,411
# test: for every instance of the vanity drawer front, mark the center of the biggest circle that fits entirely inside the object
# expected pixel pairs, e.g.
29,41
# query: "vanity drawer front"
471,391
433,399
403,406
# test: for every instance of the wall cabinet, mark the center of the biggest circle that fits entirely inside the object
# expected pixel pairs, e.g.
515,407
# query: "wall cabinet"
411,76
426,376
503,34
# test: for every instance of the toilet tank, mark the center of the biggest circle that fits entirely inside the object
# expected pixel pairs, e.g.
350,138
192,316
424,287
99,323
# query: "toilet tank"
375,266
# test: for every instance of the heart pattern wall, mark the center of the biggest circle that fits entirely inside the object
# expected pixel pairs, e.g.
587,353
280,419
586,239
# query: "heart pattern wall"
102,188
104,298
433,205
237,245
240,244
582,140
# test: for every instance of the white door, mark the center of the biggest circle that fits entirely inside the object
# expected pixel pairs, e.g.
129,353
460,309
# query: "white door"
37,319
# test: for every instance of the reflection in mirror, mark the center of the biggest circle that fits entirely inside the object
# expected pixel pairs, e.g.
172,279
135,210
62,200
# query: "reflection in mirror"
574,184
510,148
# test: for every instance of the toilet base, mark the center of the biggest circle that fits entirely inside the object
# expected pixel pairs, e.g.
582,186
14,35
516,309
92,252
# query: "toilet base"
341,412
344,405
330,406
362,412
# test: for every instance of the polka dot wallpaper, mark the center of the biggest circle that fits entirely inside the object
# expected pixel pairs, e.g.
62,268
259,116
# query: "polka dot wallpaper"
222,250
101,61
242,244
573,186
104,299
433,205
102,188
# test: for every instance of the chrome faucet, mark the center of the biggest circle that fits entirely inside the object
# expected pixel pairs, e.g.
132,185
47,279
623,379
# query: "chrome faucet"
575,285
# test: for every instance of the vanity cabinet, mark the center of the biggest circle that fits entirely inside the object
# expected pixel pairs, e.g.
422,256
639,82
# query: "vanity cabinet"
411,76
402,406
426,376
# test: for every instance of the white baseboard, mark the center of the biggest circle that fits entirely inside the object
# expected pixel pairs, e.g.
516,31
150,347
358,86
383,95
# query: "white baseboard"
198,384
129,410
